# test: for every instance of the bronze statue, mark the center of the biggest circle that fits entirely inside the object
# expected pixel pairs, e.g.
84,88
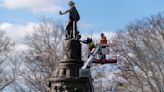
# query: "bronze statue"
73,19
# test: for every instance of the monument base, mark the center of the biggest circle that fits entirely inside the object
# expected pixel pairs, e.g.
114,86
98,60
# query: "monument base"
70,85
65,77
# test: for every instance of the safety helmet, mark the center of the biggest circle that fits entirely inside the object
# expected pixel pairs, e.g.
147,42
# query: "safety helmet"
102,34
89,39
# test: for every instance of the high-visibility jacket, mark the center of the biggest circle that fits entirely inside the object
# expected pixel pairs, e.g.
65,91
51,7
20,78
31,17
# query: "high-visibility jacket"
91,46
89,43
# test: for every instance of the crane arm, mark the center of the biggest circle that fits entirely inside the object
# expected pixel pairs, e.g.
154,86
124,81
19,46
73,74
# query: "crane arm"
91,58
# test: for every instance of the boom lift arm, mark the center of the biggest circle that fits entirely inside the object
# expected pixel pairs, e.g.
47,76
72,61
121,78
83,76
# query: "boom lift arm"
85,70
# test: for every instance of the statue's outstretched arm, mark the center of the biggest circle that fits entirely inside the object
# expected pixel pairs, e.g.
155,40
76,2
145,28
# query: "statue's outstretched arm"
62,13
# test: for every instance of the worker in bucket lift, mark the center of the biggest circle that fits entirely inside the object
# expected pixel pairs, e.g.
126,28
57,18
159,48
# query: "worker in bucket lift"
103,39
90,44
103,44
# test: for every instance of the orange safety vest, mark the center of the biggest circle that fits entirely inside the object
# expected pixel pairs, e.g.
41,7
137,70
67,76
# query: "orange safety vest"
103,40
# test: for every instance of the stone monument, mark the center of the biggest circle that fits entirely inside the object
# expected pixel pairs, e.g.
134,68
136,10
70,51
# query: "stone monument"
65,77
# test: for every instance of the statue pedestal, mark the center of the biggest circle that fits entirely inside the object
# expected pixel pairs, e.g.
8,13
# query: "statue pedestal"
65,77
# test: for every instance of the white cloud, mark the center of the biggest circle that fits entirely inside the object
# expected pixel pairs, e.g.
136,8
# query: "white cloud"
83,25
17,32
94,35
33,5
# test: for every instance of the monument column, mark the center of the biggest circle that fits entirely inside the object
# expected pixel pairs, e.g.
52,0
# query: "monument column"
65,77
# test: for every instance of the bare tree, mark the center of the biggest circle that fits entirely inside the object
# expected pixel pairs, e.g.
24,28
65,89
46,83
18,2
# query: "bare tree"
141,50
45,47
6,46
15,72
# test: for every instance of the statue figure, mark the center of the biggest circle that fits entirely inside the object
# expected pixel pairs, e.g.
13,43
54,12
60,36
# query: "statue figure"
73,19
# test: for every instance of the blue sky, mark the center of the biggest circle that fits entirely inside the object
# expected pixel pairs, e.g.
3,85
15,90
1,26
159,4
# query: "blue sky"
18,17
96,15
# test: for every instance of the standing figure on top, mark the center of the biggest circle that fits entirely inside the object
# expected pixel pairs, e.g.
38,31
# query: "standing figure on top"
74,17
